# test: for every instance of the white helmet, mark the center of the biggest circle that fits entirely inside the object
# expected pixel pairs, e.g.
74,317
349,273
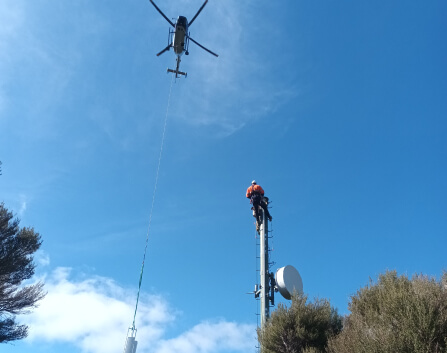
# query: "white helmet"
253,182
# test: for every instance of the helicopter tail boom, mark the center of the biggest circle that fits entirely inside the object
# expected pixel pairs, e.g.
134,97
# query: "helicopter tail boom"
177,71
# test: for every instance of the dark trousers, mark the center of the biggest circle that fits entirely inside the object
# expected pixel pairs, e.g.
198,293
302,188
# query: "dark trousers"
258,202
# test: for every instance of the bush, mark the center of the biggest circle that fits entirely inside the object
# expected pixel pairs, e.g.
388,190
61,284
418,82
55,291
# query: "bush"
302,328
396,315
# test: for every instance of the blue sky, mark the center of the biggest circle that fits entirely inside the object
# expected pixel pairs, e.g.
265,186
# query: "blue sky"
338,109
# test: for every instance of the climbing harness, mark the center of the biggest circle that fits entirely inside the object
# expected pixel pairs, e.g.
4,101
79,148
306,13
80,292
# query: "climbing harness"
131,343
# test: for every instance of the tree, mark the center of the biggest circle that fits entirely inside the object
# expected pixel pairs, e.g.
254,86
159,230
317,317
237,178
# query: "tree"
302,328
396,315
17,246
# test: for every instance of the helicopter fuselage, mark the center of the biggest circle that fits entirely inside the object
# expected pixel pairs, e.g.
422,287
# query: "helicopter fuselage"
180,35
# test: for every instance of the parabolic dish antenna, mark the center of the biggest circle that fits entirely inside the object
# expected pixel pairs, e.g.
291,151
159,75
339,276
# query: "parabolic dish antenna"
288,281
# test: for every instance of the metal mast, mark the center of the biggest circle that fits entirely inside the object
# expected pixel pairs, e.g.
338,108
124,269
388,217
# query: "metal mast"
264,269
287,280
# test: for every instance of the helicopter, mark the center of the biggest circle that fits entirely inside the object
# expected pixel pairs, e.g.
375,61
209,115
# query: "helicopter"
179,38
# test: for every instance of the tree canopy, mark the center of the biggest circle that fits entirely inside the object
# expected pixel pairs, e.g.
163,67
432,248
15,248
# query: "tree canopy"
17,246
303,327
397,314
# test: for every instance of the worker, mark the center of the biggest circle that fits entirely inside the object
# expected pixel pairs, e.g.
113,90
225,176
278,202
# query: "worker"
256,195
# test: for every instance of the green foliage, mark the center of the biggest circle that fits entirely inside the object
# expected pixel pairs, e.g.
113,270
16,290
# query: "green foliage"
17,246
302,328
396,315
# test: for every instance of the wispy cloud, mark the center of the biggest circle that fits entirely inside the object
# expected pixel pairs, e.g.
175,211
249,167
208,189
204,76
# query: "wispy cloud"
224,94
93,313
42,258
11,18
42,48
57,58
33,70
23,205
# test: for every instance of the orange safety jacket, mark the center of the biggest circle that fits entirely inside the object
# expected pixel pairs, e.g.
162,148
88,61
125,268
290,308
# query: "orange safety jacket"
254,189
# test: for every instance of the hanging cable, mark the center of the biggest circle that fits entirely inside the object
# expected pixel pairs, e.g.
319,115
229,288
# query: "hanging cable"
152,205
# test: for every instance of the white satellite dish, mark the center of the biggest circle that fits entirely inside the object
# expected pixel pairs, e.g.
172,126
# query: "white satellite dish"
289,281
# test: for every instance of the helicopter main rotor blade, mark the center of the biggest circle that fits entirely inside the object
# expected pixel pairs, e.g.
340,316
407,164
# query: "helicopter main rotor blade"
165,49
197,14
201,46
161,13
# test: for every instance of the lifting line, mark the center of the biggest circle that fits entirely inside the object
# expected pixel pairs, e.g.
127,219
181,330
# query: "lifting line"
152,206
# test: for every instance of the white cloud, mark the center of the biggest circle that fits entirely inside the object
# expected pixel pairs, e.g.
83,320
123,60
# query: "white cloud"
93,314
